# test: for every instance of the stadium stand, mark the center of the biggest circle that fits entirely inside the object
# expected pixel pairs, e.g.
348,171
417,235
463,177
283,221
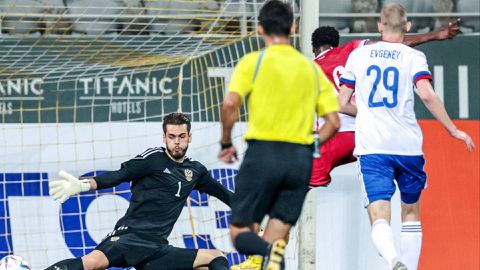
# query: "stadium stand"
142,17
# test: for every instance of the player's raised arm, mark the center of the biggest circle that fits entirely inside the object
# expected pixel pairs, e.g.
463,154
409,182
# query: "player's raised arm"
213,188
435,106
444,33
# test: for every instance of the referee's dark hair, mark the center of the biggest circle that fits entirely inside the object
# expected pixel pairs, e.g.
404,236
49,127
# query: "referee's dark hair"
325,35
176,119
276,18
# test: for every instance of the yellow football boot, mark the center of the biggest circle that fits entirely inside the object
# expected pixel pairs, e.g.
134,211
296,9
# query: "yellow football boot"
251,263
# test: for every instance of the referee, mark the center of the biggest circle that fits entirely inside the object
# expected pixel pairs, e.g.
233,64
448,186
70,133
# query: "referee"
161,179
284,91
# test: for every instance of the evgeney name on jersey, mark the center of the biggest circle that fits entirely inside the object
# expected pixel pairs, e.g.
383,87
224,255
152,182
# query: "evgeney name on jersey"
384,75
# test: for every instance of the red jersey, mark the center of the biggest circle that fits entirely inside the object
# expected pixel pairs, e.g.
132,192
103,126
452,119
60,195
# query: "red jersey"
333,60
333,63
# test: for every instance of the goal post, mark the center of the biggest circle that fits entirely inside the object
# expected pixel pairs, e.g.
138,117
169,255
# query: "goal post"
309,21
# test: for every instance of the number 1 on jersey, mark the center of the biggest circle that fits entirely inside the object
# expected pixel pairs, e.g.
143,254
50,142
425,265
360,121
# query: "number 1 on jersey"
393,87
179,188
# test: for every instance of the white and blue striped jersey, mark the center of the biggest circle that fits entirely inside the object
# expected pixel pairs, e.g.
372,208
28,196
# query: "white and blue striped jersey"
384,75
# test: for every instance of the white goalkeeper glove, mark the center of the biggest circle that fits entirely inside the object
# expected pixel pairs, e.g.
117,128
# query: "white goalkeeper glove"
68,185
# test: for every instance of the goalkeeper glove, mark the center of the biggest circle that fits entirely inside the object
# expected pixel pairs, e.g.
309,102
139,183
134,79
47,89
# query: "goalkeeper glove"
67,186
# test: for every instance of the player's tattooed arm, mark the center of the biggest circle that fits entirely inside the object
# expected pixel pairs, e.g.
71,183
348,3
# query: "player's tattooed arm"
444,33
346,106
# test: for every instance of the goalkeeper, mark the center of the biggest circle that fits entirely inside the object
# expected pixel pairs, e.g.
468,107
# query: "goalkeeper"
161,181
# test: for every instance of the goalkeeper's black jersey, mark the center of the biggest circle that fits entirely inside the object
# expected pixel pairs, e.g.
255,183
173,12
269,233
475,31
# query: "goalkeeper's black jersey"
160,187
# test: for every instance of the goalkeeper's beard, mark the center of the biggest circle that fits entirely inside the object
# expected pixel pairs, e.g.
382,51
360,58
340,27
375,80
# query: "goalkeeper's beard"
177,154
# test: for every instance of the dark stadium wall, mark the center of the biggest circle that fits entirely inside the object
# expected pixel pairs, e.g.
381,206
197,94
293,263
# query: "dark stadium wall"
451,204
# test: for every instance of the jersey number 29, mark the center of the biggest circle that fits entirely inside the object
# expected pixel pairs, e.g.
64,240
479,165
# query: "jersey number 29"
391,86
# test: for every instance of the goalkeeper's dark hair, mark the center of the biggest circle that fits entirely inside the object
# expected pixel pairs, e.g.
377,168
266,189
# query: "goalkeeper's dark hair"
176,119
325,35
276,18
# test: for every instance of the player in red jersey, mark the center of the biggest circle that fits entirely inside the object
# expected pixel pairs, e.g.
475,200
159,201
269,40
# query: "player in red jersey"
332,58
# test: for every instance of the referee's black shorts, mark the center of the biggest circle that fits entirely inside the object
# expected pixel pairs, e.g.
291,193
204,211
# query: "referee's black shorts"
273,179
145,252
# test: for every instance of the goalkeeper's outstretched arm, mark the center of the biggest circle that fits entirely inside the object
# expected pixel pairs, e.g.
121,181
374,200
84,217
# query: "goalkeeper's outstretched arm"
69,185
109,179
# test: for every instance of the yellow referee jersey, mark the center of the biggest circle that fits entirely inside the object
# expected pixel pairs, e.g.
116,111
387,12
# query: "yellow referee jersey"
284,89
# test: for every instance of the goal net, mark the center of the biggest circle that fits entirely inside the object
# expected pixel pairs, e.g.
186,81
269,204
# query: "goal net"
84,86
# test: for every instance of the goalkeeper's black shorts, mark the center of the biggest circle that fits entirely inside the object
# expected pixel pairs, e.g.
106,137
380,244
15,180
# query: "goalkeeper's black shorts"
144,253
273,179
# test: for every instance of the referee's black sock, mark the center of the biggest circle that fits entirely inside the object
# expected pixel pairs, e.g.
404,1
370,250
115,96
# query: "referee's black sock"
69,264
250,243
219,263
